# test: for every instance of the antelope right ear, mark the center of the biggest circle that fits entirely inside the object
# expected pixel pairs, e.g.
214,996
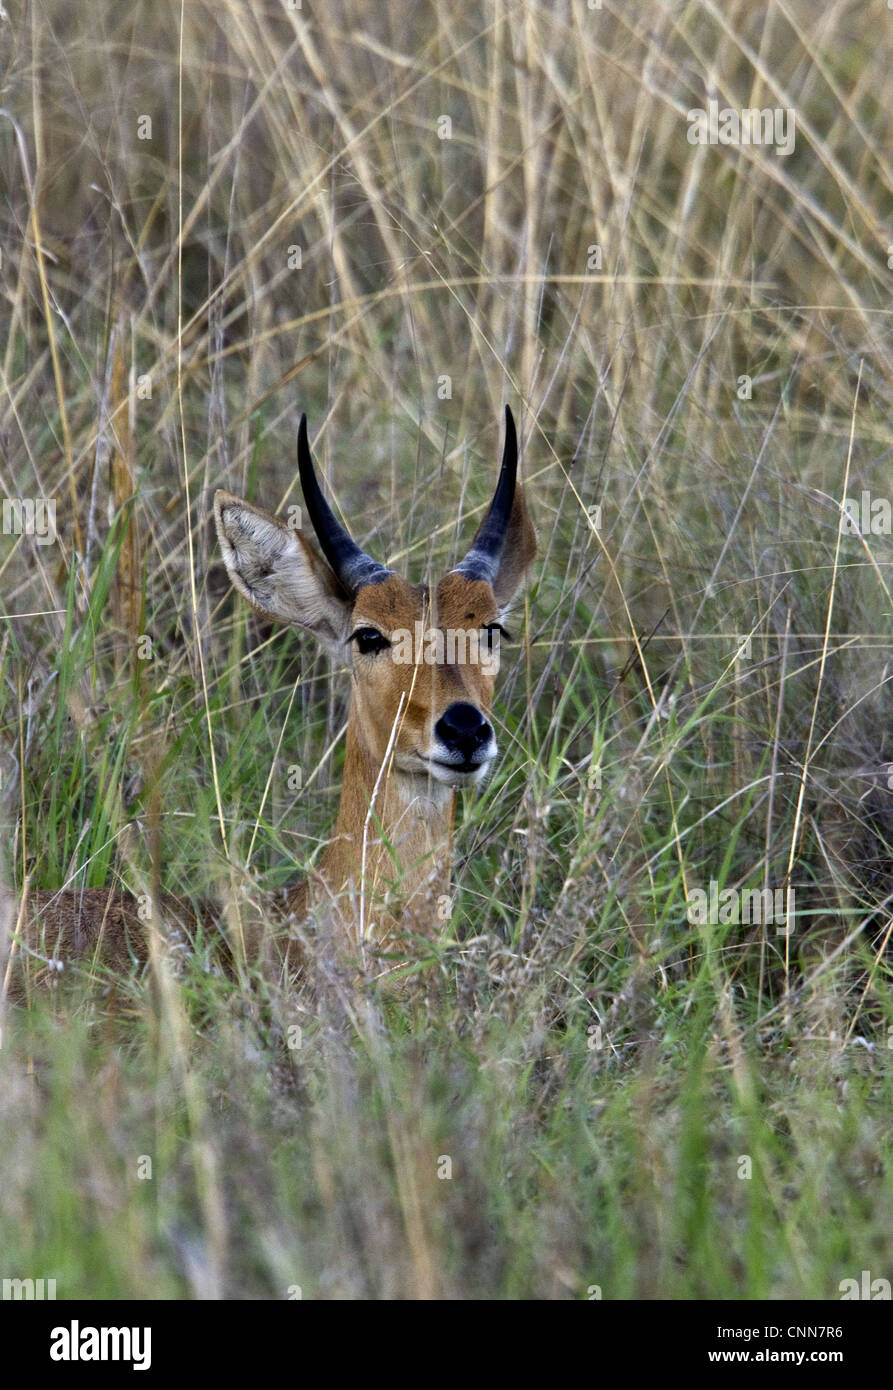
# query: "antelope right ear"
280,573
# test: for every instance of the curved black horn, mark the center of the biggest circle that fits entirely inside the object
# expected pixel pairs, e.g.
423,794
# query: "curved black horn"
352,565
482,560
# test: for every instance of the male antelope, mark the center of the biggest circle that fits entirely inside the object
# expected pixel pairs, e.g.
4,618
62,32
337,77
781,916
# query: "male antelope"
422,678
418,728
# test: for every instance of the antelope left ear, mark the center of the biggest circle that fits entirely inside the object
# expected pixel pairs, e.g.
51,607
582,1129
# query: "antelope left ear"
517,553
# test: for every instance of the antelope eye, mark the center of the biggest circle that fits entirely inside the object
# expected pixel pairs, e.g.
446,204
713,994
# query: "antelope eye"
369,641
491,632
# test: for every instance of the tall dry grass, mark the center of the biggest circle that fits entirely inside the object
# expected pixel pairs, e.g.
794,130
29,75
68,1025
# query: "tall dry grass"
396,218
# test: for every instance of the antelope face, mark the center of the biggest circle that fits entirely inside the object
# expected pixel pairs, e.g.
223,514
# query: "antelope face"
432,656
423,659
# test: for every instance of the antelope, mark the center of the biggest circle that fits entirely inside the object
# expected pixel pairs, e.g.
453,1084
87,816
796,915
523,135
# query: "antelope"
422,669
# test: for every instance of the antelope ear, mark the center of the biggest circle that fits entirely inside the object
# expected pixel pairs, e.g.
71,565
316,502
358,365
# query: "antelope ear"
280,573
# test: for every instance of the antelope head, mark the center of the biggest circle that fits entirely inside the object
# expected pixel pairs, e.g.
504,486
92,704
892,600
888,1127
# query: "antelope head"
422,657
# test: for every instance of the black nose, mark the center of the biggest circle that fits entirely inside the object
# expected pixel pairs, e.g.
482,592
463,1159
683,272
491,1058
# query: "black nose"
463,729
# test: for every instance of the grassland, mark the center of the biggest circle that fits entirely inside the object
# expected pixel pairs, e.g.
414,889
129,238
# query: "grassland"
398,217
